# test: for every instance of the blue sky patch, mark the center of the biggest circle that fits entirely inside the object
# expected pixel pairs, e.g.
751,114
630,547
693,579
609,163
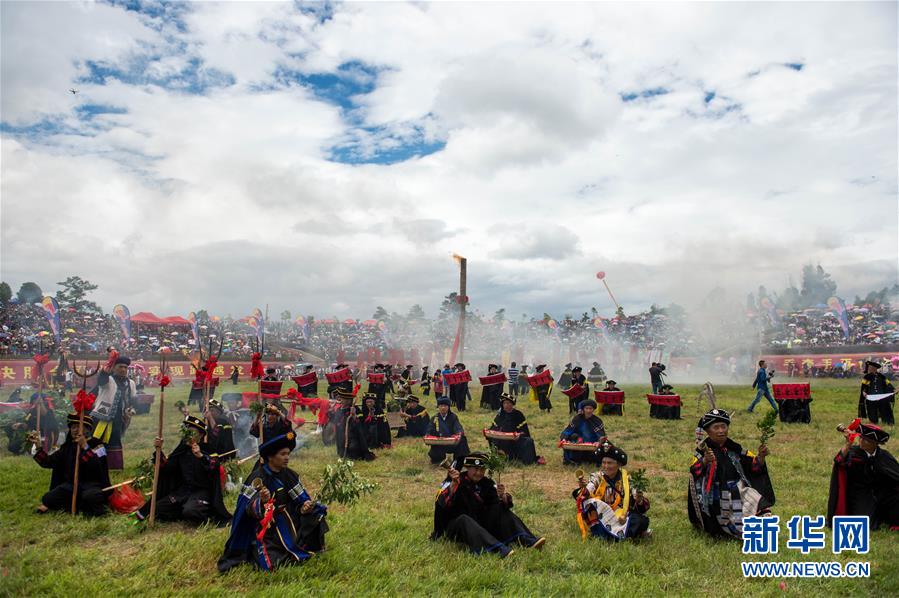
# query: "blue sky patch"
377,145
351,79
630,96
796,66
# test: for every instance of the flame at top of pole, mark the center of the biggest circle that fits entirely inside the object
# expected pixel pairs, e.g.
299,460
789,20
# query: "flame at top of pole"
458,258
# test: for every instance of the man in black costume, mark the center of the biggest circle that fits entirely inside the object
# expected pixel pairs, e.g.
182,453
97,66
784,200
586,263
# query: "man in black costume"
350,436
446,423
379,389
190,487
726,482
458,393
585,427
510,419
544,391
611,386
93,473
374,423
472,510
596,375
416,418
275,422
578,379
865,479
220,432
276,523
877,395
490,394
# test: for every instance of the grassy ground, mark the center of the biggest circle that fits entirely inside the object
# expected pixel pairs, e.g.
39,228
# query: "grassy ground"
380,545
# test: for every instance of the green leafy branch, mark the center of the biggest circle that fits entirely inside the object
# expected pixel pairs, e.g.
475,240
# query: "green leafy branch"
341,484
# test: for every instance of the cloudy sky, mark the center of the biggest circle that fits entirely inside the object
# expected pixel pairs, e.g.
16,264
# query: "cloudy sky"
330,158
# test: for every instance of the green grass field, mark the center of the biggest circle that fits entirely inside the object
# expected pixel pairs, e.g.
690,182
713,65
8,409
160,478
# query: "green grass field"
380,545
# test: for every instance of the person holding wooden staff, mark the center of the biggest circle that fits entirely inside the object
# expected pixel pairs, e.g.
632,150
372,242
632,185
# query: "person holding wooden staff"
93,473
189,485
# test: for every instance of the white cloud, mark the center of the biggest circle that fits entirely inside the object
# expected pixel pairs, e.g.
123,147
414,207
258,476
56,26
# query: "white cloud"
227,199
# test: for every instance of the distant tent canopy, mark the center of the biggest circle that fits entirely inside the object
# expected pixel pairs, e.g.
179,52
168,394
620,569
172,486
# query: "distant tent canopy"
146,317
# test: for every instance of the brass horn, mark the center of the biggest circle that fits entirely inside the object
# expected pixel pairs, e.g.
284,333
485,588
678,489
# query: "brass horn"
579,474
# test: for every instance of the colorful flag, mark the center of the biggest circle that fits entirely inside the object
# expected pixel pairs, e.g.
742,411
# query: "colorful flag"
123,317
194,328
839,308
260,325
51,310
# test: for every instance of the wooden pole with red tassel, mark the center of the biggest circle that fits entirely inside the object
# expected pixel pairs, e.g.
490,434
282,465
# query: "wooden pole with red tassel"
83,402
157,461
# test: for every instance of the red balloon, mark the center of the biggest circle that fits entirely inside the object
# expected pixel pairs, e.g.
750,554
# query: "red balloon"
600,275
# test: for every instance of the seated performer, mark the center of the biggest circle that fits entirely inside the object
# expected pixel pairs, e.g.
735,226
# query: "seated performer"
416,418
275,424
276,523
584,427
93,473
189,487
350,437
876,398
578,379
611,409
665,411
374,423
510,419
607,506
446,423
220,437
716,501
865,479
472,510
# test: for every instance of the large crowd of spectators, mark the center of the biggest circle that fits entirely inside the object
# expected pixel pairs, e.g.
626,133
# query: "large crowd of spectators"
671,333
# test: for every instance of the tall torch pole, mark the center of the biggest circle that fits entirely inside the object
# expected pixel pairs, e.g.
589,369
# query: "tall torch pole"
463,271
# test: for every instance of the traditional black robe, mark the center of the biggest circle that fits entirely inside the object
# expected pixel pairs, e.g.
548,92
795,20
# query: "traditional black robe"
457,394
375,426
446,426
93,476
221,438
875,384
543,393
472,514
417,423
351,440
291,537
865,485
490,396
596,374
190,488
270,430
565,379
573,402
380,391
522,449
611,409
714,493
664,411
582,429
